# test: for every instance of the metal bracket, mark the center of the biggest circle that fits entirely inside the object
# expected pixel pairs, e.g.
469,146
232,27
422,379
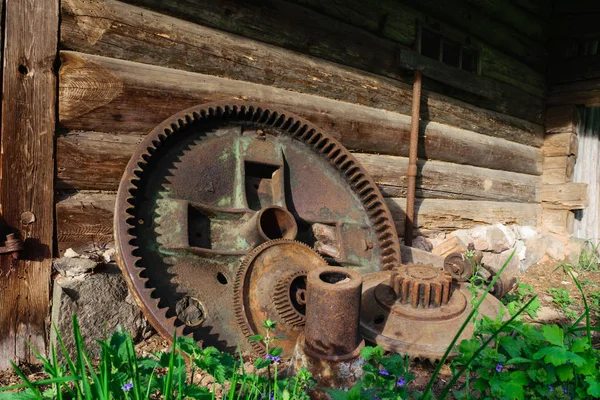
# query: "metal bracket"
13,245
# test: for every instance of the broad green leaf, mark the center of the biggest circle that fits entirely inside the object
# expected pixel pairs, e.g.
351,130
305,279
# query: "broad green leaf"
276,351
553,355
256,338
510,345
594,388
519,378
576,359
554,334
580,345
366,352
518,360
513,391
565,372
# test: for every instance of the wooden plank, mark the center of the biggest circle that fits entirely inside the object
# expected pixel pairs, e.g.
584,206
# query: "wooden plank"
578,69
114,29
560,144
26,186
566,196
84,221
398,22
470,19
435,215
85,218
113,96
581,92
543,8
556,221
96,161
558,169
580,26
300,29
561,119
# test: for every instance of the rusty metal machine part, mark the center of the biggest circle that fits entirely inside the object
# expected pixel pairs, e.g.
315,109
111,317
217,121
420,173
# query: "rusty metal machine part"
210,184
13,245
333,313
269,284
416,309
461,269
330,346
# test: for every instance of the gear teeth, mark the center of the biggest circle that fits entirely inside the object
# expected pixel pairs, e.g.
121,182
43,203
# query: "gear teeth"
281,299
320,142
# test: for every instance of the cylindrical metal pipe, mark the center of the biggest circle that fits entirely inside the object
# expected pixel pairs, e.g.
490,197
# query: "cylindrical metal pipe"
333,312
412,159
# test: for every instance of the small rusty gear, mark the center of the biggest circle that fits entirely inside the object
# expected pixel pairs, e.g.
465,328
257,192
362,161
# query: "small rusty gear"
258,288
289,298
458,266
421,285
417,309
188,203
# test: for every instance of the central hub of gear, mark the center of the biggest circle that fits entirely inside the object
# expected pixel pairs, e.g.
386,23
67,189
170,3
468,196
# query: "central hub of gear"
421,285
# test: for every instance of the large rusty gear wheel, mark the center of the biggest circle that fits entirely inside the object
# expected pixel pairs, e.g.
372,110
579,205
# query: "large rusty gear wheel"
266,270
211,183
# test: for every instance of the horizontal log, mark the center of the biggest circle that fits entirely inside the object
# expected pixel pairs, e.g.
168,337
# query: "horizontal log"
560,144
566,196
96,161
118,30
114,96
558,169
395,21
562,119
84,219
577,69
435,215
585,92
582,25
297,28
561,222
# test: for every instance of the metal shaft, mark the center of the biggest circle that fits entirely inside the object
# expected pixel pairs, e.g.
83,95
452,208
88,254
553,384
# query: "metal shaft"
412,159
333,311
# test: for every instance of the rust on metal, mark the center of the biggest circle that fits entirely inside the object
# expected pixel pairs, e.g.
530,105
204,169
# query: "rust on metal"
416,309
412,159
206,195
13,245
333,313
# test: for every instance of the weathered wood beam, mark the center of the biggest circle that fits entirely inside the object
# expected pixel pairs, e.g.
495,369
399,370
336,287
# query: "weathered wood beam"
114,29
560,144
585,92
27,165
560,222
562,119
558,169
566,196
300,29
434,215
114,96
96,161
395,21
84,219
578,69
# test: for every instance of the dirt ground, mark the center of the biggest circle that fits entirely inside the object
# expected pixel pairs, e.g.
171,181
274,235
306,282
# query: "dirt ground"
541,277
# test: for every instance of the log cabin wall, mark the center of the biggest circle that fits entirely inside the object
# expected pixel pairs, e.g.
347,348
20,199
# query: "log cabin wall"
343,65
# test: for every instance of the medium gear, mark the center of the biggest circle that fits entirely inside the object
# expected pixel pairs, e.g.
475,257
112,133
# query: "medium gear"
289,298
211,183
256,288
421,285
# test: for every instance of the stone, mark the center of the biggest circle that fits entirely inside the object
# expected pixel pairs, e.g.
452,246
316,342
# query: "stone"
495,238
520,249
555,247
436,238
573,249
548,314
463,236
74,266
525,232
109,255
421,243
70,253
495,261
101,302
536,250
414,255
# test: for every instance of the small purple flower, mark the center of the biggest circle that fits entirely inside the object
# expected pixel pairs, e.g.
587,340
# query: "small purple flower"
272,396
499,367
275,359
384,372
401,382
550,388
127,387
565,390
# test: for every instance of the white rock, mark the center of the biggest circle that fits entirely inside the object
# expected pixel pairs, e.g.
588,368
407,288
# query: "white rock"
525,232
422,243
520,249
108,255
492,238
535,251
555,247
509,233
479,236
70,253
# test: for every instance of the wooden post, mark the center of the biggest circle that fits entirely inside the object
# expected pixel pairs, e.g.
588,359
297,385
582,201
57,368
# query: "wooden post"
27,173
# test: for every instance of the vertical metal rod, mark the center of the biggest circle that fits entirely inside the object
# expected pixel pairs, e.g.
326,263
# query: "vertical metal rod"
412,159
